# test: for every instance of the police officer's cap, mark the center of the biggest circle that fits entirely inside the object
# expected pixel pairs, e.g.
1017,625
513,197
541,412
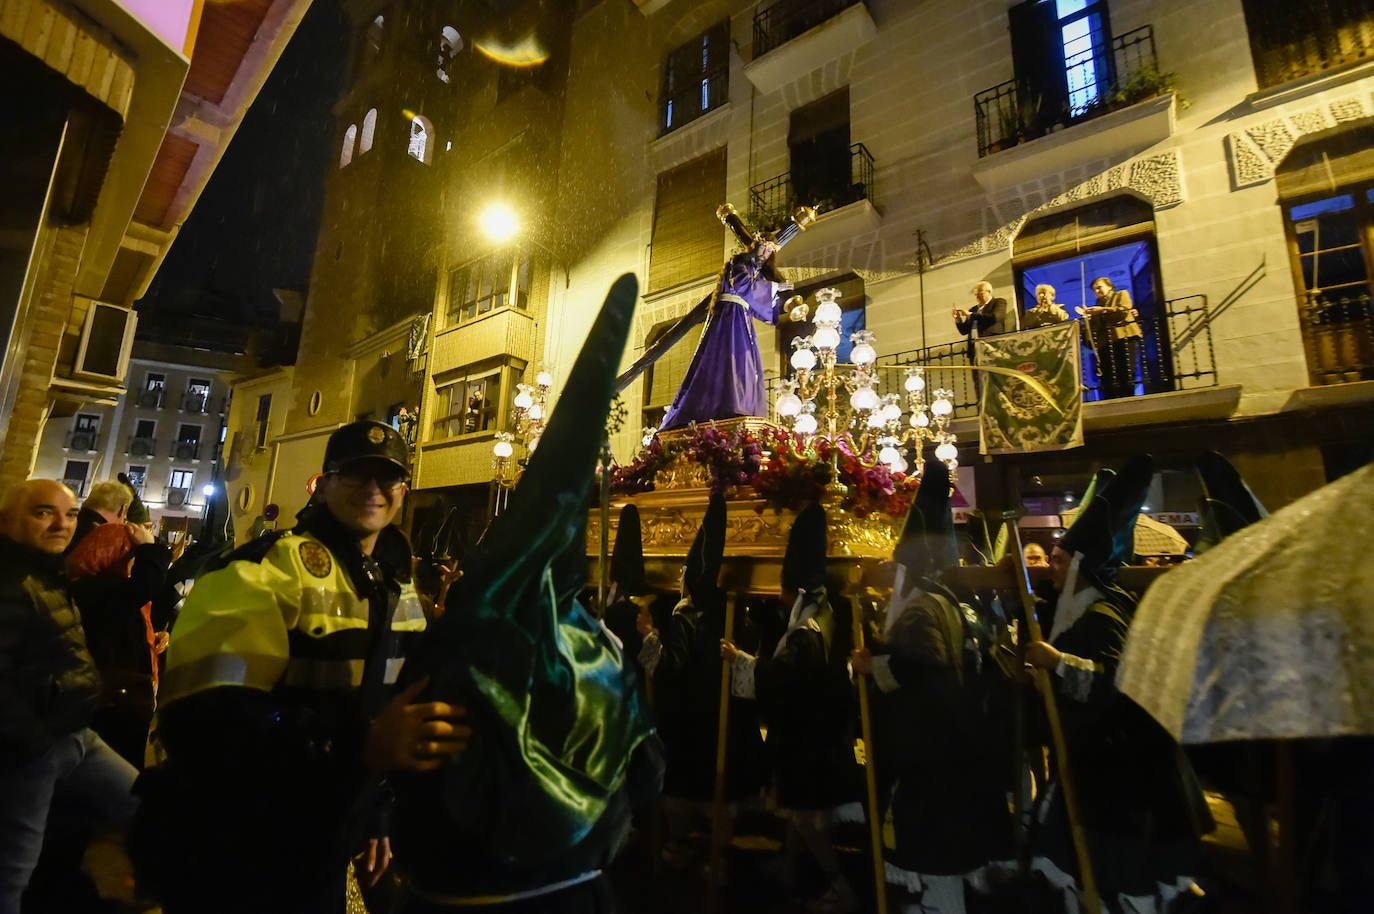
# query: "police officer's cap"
366,440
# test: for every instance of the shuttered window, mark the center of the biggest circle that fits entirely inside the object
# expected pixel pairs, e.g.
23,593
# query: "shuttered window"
687,241
1290,40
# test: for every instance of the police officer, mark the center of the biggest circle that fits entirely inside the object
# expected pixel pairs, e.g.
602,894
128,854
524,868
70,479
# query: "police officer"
278,716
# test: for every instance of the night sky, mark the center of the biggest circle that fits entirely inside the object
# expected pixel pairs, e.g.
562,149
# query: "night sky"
254,226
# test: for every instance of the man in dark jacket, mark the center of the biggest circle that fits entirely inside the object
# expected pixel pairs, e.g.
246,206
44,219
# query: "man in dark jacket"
49,688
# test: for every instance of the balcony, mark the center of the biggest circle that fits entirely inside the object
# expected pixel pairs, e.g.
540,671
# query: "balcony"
1177,361
500,333
185,450
82,440
176,497
1338,334
151,398
847,196
141,446
1005,118
794,37
197,402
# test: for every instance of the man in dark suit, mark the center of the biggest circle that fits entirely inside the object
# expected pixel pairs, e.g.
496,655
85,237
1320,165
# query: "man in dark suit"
989,316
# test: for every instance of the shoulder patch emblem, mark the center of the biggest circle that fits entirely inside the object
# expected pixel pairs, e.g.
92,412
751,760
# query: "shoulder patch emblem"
316,559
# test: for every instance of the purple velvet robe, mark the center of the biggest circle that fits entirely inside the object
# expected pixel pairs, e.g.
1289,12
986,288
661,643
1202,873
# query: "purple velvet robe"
725,378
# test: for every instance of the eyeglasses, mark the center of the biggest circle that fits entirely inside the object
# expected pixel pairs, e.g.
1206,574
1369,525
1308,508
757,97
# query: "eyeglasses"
356,479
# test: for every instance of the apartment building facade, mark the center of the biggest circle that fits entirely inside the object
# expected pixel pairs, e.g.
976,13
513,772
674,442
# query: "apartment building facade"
1211,158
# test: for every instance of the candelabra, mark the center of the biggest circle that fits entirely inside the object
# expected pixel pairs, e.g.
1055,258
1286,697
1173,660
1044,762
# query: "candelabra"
527,419
869,421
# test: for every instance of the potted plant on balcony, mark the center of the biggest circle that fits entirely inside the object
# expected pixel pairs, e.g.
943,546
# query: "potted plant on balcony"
1145,82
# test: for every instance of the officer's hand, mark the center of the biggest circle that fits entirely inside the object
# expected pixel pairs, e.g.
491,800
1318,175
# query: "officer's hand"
416,737
373,862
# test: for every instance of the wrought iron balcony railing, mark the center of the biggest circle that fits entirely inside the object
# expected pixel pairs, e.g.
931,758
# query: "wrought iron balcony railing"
185,450
773,200
1339,336
151,398
140,446
787,19
1175,354
696,97
82,439
195,402
1006,116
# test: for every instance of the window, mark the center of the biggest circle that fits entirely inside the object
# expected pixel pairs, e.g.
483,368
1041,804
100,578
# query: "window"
696,77
421,139
853,318
138,476
261,417
187,445
369,130
106,340
197,399
687,240
467,406
1069,251
85,432
1061,54
1290,40
153,387
1326,189
498,281
74,475
818,141
143,443
179,484
450,43
350,138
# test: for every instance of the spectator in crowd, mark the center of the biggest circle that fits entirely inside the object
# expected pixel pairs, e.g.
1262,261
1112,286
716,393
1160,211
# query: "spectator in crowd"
116,574
49,688
1045,311
107,503
989,316
1114,331
1035,555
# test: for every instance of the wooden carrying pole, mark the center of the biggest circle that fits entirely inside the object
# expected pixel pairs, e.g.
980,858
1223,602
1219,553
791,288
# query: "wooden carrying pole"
1091,903
875,828
713,858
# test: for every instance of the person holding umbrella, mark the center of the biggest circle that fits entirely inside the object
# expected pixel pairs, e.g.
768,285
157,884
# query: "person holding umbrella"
1140,806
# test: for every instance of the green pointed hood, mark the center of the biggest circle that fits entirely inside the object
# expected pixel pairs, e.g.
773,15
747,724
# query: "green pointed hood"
556,715
1104,530
1227,504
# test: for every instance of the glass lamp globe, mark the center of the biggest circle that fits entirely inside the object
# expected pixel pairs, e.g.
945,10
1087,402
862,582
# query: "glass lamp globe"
544,379
863,354
876,419
789,404
920,420
805,425
947,452
826,338
942,407
891,411
900,466
889,455
865,398
523,400
803,360
502,449
536,412
828,312
914,382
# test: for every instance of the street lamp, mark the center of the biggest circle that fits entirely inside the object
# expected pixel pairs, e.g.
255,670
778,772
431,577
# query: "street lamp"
500,224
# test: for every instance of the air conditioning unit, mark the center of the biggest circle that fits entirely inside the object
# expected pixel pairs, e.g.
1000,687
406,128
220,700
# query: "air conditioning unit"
176,497
106,340
83,441
185,450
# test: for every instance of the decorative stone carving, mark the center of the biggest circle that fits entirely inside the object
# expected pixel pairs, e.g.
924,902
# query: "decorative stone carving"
1256,151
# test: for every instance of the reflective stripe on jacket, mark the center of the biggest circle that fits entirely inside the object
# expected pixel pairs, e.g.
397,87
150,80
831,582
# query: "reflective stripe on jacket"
293,618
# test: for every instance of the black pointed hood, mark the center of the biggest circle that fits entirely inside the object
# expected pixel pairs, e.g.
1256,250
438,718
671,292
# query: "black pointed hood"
627,558
1104,530
928,543
1227,504
702,568
803,565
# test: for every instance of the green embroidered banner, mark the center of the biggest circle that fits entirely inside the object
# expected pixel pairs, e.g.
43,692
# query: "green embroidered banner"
1014,417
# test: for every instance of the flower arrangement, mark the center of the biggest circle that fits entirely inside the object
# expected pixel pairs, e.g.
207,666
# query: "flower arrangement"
775,463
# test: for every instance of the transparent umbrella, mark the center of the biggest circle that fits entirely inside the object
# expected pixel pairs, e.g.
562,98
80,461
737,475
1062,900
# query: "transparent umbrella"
1268,635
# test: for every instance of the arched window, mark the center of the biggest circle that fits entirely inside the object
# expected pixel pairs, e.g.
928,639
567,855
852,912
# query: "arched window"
374,36
450,43
369,129
350,136
421,144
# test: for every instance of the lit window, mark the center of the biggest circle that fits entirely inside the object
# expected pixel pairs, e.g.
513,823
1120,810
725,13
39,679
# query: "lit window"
369,130
421,133
450,43
696,77
467,406
350,137
495,282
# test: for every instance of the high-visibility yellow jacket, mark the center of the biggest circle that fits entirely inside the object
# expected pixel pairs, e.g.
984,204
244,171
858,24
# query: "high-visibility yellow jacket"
293,618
